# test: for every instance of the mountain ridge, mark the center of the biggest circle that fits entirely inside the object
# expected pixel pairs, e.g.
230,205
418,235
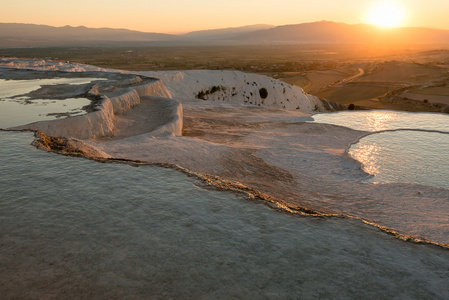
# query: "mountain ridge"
226,32
29,35
321,32
335,32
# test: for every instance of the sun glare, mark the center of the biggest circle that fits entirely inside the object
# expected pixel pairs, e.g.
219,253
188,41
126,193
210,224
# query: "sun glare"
387,14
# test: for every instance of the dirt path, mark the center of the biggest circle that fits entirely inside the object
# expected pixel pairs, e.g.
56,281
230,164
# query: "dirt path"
352,78
343,81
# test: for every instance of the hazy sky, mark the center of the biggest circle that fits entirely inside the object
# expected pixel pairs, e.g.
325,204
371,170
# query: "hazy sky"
176,16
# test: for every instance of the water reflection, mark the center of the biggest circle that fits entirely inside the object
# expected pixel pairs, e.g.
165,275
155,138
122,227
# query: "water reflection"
16,111
405,156
11,88
368,155
385,120
378,120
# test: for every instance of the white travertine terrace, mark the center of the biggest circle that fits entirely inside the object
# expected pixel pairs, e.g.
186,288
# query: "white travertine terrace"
233,87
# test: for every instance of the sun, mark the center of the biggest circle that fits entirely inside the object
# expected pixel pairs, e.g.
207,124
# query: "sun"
386,14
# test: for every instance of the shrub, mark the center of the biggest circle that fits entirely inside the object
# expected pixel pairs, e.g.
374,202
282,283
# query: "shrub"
214,89
201,95
263,93
351,106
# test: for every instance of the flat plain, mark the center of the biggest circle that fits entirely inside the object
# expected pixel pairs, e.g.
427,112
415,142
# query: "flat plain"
410,78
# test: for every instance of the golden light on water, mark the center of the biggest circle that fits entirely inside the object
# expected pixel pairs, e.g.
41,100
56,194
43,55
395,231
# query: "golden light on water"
368,156
377,120
386,14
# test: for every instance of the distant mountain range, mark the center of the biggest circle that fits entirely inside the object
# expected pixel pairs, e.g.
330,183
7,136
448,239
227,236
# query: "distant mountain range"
29,35
323,32
226,33
341,33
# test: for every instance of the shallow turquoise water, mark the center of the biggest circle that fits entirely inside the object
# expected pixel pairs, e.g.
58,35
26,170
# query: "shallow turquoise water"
72,227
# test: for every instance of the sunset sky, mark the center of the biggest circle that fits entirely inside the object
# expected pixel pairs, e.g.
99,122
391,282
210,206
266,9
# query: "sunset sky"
178,16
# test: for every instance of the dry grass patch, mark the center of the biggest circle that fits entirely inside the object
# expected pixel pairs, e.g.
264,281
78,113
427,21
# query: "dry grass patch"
299,80
427,97
402,72
352,93
437,90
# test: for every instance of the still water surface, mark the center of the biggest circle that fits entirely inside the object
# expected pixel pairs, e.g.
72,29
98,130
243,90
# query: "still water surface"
72,227
379,120
17,109
417,156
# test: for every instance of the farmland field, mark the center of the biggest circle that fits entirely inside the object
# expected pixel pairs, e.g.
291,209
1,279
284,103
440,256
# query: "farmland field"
385,78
